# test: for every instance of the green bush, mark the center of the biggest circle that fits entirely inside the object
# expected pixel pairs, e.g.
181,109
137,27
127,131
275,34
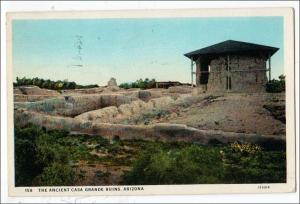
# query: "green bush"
189,165
276,86
195,164
46,158
56,174
26,166
249,164
40,159
26,160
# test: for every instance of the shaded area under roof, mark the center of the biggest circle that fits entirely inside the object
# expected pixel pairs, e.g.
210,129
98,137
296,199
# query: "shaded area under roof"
231,46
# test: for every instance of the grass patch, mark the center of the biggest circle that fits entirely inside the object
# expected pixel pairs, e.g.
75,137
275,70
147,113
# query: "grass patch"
47,158
196,164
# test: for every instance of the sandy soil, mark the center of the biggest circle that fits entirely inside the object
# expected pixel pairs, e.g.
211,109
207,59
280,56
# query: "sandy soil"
233,113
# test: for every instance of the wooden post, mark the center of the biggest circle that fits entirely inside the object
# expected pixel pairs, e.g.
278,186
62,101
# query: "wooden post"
269,68
227,81
192,81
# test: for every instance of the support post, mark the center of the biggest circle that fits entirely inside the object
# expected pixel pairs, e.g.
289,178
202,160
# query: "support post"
192,81
228,68
269,68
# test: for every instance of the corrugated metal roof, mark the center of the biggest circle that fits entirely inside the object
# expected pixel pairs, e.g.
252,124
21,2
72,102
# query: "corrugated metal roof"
231,46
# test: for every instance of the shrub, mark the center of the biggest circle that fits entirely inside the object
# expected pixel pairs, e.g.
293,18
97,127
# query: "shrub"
142,84
40,159
125,86
249,164
190,165
26,162
57,174
195,164
46,158
26,165
276,86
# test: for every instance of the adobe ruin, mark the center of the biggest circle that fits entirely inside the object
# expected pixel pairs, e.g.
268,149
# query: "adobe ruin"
232,66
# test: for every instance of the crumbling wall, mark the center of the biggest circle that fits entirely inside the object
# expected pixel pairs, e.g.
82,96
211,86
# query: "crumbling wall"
33,93
247,73
74,105
34,90
109,114
161,131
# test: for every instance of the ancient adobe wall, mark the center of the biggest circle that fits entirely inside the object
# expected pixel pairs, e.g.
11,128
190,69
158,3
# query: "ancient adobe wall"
247,74
158,132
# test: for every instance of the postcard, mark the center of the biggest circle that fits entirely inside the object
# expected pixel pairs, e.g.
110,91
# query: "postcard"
151,102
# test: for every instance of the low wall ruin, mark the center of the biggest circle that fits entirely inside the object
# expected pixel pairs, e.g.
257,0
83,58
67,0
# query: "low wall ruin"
161,131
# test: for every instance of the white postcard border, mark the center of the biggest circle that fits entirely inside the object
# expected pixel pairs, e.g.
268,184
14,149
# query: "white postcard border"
288,15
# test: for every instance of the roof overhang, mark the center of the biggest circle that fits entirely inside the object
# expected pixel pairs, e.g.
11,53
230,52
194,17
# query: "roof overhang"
232,47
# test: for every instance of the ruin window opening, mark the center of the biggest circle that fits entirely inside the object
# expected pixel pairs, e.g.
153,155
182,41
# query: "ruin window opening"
228,82
256,78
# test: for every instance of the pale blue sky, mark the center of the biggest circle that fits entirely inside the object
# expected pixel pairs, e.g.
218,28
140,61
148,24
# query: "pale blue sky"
129,49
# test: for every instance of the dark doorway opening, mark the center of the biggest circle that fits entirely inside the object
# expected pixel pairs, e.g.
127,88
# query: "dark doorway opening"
228,82
204,72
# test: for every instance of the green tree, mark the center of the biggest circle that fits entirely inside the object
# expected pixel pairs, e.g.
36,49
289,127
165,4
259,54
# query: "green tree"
49,84
151,84
276,86
124,86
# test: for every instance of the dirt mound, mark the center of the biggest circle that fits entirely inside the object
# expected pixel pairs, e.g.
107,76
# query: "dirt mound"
180,89
278,111
30,98
34,90
97,90
33,93
259,113
140,112
75,104
17,91
234,112
103,114
110,114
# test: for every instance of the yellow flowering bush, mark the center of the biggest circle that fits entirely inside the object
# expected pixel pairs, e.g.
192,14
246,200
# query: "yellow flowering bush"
245,148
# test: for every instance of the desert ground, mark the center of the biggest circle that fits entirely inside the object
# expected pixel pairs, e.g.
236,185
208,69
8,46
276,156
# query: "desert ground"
176,114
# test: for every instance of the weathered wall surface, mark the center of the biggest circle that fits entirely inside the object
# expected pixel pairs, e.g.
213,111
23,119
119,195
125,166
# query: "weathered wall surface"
251,81
217,77
34,90
161,131
74,105
33,93
246,73
109,114
30,98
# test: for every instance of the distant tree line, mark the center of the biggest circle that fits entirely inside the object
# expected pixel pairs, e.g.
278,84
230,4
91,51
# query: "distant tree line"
142,84
49,84
276,86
